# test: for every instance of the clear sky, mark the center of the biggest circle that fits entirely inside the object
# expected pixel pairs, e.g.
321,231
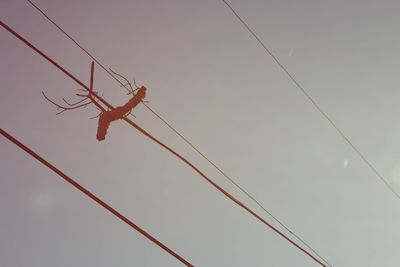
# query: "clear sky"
212,81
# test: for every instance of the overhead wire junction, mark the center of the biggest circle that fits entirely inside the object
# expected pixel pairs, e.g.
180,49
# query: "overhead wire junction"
231,180
163,145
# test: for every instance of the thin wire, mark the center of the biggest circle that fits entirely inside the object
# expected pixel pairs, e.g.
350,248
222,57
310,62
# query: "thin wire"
243,190
314,102
81,47
92,196
183,138
161,144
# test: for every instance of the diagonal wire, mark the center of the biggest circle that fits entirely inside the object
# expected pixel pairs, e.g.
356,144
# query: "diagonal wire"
183,138
314,103
92,196
144,132
243,190
81,47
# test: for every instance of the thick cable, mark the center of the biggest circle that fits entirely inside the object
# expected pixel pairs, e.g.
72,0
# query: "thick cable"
92,196
162,144
181,136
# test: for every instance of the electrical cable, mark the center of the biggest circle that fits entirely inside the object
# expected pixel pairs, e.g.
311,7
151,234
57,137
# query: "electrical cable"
161,144
92,196
182,137
314,103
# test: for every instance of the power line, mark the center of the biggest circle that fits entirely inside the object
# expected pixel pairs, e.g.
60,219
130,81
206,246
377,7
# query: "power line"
314,103
244,191
162,144
92,196
181,136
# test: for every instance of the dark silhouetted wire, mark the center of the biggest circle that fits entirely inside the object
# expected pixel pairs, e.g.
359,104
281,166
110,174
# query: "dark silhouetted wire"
242,189
162,144
180,135
92,196
314,102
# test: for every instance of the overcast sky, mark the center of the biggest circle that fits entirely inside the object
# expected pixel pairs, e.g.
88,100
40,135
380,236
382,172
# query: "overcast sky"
214,83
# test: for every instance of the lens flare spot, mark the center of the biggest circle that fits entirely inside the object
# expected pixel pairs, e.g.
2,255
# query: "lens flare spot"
291,51
345,163
42,201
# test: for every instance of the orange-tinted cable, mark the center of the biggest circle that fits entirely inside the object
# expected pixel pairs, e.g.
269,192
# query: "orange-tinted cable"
181,136
162,144
92,196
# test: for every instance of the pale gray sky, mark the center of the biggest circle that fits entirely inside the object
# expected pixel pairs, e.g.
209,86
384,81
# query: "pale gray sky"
207,76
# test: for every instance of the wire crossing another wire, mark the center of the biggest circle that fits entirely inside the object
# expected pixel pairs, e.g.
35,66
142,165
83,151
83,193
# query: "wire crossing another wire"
231,180
163,145
92,196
